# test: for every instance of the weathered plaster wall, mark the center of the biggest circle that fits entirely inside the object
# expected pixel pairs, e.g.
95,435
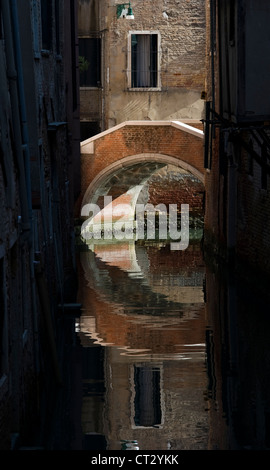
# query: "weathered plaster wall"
181,26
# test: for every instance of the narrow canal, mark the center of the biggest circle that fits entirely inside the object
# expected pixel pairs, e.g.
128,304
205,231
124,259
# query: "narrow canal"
172,354
143,333
173,349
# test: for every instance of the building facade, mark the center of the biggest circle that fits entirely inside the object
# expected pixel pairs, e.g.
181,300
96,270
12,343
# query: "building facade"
149,67
237,132
236,228
39,181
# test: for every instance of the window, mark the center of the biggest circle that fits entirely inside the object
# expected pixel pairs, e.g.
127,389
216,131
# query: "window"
73,5
89,129
1,29
89,52
46,18
57,26
232,23
6,165
144,60
35,26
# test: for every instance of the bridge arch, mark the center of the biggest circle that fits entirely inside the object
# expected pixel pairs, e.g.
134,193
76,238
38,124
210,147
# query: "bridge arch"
119,161
140,143
144,165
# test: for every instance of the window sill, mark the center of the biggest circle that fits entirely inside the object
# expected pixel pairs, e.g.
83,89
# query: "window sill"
37,55
46,53
145,89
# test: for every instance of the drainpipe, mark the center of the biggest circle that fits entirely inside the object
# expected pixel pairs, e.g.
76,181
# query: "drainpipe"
22,104
26,153
212,47
13,84
21,139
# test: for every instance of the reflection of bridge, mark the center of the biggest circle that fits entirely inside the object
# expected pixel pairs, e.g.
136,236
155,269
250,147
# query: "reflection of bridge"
130,304
120,160
122,277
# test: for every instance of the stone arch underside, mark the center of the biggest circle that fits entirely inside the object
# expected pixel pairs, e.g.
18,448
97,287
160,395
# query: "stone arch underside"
129,175
118,189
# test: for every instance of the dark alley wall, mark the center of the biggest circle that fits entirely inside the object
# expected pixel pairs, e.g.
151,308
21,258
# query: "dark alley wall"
39,180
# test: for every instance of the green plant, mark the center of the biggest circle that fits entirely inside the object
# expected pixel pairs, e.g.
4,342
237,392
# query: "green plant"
83,64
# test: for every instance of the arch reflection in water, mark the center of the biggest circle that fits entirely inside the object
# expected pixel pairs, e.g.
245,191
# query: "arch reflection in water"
144,307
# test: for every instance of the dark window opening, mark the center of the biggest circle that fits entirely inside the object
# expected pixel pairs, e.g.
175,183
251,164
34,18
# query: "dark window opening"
73,54
232,23
89,52
57,27
147,400
89,129
1,27
46,19
144,60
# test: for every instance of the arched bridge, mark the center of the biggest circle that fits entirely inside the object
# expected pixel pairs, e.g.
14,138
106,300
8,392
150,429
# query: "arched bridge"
119,161
126,155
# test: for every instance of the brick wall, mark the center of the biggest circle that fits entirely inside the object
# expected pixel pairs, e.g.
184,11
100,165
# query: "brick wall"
130,140
179,188
41,163
253,214
250,200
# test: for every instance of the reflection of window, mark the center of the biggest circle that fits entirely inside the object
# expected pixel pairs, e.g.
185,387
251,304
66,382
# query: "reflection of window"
89,50
144,60
147,400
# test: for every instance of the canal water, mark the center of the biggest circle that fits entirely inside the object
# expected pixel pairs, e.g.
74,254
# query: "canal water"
173,354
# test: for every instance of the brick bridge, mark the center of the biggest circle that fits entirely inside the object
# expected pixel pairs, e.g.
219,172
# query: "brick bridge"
119,161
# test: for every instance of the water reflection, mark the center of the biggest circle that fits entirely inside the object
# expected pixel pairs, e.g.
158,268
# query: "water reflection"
144,322
175,351
238,353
